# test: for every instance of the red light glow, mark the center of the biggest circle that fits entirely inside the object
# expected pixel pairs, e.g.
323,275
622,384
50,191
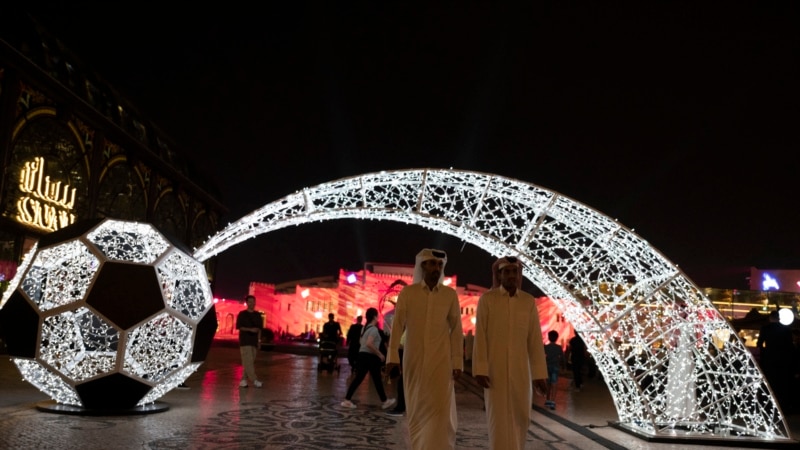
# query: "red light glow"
306,309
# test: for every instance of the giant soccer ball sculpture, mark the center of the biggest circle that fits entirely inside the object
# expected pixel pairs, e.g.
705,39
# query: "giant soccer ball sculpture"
108,315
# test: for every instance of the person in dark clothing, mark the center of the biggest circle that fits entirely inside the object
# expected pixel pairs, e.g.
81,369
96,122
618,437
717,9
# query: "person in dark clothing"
332,331
554,355
353,344
776,358
249,323
400,408
577,351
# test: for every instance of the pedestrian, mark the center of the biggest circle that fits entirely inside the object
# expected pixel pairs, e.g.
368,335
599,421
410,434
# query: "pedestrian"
399,408
554,355
395,373
433,355
577,358
776,353
370,360
332,331
249,323
469,345
508,360
354,343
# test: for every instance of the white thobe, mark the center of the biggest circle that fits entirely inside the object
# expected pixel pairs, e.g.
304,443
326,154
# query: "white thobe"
509,349
433,348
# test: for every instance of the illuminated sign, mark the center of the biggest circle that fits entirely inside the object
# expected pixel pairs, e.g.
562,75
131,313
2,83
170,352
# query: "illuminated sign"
783,280
43,204
769,283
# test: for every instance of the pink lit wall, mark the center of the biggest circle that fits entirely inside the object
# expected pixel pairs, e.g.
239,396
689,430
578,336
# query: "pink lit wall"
306,308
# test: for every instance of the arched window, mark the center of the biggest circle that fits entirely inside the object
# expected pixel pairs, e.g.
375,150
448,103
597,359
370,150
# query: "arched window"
121,193
170,216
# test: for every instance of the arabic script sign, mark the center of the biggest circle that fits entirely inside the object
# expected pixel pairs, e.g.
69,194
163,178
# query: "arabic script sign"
43,203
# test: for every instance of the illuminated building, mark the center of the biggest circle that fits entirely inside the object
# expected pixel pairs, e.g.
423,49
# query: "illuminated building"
296,308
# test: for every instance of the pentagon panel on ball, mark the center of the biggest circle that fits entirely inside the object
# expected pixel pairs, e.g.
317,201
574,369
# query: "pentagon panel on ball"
107,316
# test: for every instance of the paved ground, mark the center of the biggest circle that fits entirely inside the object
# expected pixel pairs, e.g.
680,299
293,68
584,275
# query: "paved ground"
298,408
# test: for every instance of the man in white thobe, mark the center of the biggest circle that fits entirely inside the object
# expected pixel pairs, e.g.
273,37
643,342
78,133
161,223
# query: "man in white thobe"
433,353
508,359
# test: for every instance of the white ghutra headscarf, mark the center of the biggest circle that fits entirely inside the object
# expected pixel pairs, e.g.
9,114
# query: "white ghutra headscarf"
424,255
498,266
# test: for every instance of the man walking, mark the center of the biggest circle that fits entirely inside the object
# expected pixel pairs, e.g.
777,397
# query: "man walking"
353,343
429,315
577,357
332,331
508,360
249,323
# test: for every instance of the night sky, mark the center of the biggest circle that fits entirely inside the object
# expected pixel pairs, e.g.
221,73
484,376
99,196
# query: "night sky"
679,119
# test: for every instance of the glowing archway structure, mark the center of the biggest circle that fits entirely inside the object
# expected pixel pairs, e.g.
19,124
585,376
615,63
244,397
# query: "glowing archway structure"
673,371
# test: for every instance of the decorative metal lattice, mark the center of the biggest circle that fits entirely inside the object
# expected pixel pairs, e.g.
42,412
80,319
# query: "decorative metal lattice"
108,317
673,364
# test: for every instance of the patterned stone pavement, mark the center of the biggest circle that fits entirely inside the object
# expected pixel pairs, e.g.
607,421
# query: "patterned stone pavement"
298,408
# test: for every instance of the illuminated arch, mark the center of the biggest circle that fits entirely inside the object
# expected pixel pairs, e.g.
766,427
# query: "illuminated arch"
618,292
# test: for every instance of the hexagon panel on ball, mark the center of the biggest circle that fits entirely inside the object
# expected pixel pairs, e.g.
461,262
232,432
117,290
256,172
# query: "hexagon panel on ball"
105,315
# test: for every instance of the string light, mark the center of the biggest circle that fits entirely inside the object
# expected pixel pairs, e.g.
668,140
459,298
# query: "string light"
615,289
118,300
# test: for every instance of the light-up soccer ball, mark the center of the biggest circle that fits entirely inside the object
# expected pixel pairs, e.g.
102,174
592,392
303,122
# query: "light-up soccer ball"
108,315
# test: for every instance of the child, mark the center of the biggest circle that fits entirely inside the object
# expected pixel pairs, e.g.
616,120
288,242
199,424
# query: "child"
554,356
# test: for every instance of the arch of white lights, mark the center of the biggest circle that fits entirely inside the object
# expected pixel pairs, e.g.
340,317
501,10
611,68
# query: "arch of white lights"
617,291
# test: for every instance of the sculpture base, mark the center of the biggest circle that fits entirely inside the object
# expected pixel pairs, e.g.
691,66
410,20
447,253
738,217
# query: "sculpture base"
685,438
54,407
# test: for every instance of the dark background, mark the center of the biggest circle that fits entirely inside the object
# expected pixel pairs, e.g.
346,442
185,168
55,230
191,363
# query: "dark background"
679,119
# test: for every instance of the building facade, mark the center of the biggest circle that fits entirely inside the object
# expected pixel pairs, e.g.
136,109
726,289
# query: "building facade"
297,310
73,149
